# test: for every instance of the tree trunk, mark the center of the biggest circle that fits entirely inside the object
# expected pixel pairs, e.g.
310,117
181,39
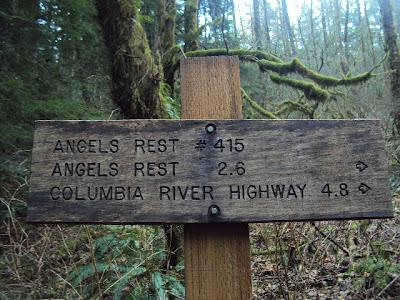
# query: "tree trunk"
257,24
345,61
266,25
235,31
394,57
288,27
166,33
216,11
339,45
191,26
324,27
314,44
361,33
280,30
371,37
134,74
303,41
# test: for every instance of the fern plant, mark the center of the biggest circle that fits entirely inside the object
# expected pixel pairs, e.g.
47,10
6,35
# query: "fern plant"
126,265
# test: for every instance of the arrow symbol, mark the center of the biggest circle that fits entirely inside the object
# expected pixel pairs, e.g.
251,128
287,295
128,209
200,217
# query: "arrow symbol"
363,188
361,166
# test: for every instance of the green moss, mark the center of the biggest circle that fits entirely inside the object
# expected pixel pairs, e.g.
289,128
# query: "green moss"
269,62
258,107
325,80
311,90
16,132
170,107
377,270
279,67
242,53
292,106
296,66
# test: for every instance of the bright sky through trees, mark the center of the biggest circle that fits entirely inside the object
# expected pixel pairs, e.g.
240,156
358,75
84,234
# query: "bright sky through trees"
244,8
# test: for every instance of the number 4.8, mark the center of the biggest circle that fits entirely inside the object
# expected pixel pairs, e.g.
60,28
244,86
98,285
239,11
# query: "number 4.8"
343,190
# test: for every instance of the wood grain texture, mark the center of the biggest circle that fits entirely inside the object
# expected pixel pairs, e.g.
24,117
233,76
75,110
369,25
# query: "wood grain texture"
279,158
209,88
217,257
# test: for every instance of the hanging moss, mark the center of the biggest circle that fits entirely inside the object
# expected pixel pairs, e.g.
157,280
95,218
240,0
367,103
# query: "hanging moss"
258,107
311,90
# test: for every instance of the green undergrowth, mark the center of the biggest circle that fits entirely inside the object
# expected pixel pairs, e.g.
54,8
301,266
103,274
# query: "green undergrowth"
126,265
374,271
20,107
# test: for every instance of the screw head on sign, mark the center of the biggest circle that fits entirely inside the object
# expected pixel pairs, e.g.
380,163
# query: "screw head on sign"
210,128
214,210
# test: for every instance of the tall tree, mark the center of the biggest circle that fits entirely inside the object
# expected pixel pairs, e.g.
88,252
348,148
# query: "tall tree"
135,75
370,35
323,22
257,23
338,29
288,27
304,44
314,43
361,32
191,26
235,30
266,24
166,33
280,30
345,60
394,57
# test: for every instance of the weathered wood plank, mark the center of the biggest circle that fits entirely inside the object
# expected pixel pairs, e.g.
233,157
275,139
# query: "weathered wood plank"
286,163
217,256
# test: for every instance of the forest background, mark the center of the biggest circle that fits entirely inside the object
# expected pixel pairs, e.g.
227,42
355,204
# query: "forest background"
102,59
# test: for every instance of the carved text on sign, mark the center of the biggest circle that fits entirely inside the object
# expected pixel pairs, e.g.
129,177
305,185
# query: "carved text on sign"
155,171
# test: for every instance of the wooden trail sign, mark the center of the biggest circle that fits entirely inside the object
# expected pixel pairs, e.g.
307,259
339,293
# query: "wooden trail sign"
209,171
200,171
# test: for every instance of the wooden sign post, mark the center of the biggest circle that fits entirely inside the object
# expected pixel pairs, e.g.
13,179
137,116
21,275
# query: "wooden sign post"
213,175
217,256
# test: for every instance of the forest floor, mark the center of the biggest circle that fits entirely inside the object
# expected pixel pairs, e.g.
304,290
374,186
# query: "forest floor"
327,260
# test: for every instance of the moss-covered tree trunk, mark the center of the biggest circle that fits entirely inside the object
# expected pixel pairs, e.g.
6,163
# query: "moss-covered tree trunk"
394,57
135,75
191,26
166,32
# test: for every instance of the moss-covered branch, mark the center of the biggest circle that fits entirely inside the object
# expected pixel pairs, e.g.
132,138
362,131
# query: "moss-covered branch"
296,66
278,69
297,106
242,53
257,107
270,62
310,89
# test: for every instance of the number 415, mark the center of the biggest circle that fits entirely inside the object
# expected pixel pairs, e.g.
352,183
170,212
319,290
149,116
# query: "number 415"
231,145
